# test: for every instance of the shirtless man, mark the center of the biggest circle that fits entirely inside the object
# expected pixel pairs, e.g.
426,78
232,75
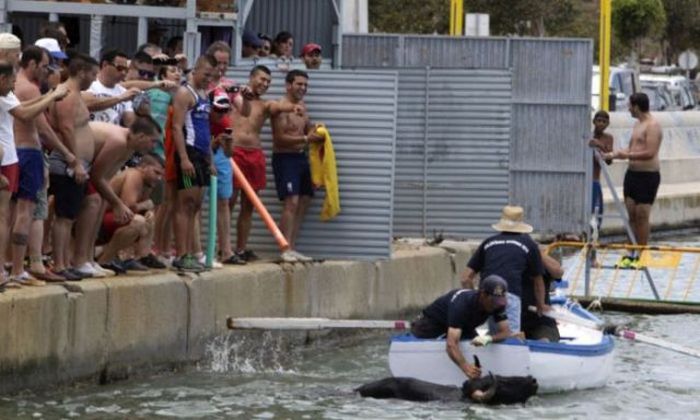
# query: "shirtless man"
133,186
113,147
642,177
291,134
247,150
70,118
33,71
10,108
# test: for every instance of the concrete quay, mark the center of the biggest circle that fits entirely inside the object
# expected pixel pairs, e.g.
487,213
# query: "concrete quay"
104,329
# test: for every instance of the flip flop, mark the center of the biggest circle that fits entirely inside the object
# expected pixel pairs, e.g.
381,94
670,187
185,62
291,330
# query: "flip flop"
48,276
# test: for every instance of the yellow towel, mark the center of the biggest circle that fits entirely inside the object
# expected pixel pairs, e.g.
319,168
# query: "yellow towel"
324,173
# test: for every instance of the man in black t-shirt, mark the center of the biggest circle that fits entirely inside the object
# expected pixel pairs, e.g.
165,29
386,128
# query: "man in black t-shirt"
459,312
513,255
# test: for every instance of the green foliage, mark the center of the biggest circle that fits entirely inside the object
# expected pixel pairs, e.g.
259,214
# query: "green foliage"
682,29
409,16
633,20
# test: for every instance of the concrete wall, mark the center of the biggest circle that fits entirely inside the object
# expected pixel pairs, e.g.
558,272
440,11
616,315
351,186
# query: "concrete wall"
105,329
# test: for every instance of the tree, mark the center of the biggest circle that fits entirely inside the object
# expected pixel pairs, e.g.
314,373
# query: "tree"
682,29
409,16
634,20
527,17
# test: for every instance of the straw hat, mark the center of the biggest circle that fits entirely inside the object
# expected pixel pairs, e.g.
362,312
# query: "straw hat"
512,221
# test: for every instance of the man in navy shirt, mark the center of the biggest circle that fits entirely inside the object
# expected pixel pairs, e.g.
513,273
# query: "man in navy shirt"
513,255
459,312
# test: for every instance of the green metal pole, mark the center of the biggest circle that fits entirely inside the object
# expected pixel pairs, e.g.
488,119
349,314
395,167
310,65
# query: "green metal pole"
211,240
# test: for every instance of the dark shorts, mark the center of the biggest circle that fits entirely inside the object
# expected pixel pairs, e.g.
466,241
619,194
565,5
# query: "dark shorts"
641,186
11,172
200,161
68,196
31,173
597,202
292,174
424,327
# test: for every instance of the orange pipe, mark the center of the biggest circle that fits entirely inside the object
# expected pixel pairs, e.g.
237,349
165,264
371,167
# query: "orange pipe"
262,211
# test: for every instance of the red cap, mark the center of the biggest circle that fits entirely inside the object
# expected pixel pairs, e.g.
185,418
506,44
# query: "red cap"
309,48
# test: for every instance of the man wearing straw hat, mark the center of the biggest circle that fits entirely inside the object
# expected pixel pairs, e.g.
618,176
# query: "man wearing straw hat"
513,255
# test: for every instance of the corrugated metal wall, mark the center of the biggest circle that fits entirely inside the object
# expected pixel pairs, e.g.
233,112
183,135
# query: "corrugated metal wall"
451,162
549,155
307,20
549,125
359,109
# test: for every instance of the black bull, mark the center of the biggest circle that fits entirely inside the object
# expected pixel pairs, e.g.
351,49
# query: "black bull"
490,390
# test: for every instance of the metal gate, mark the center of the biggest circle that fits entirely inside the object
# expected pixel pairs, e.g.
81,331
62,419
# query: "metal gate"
547,159
452,145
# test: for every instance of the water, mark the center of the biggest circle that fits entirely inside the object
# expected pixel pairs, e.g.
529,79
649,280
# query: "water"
259,377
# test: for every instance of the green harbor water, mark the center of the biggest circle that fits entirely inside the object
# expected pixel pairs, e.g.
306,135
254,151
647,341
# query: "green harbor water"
260,377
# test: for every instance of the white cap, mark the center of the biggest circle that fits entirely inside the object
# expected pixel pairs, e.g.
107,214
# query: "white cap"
9,41
52,46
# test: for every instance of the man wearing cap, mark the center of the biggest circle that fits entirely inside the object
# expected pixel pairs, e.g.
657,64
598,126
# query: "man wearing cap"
10,49
11,108
52,46
311,54
458,313
33,72
514,256
251,44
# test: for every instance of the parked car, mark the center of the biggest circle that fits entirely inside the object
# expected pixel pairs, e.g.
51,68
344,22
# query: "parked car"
623,83
679,87
660,97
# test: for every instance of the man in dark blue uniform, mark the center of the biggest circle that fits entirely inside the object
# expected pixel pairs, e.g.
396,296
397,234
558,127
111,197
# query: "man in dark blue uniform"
513,255
459,312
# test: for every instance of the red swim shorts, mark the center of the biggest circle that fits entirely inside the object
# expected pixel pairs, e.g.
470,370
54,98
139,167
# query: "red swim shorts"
251,163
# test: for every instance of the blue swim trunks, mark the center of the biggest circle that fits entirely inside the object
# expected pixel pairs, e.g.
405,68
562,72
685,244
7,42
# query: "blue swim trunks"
31,173
292,174
224,175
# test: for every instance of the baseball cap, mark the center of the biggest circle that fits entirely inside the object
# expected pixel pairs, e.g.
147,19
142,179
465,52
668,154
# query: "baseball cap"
496,287
250,38
309,48
52,46
9,41
220,100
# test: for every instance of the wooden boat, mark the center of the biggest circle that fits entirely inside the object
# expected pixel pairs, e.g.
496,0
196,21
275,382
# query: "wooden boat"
582,359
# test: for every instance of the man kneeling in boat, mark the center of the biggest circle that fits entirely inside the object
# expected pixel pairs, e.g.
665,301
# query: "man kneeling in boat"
459,312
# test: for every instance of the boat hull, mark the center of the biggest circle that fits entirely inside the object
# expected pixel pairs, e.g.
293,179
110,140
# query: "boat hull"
582,359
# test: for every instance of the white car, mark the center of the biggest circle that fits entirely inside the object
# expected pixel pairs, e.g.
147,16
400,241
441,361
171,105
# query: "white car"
623,83
679,87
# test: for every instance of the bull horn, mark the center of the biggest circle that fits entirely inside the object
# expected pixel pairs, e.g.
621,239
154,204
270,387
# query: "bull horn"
485,396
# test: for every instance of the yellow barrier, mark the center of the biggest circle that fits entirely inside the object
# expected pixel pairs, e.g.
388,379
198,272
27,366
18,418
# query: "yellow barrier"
664,272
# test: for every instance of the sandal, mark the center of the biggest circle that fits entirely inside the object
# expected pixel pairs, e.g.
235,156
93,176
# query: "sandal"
233,260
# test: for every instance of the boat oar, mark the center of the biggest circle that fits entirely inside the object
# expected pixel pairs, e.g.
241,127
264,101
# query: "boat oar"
312,324
618,330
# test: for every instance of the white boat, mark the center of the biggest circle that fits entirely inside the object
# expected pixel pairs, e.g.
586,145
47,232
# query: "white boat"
582,359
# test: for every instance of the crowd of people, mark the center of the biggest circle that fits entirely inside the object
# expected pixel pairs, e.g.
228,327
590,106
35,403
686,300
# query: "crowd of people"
104,162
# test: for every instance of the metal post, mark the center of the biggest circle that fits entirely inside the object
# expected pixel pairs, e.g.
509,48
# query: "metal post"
191,39
5,26
338,34
142,31
604,53
96,23
426,128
